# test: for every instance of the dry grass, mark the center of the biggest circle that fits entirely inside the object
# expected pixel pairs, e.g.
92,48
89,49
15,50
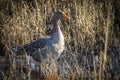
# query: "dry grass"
92,49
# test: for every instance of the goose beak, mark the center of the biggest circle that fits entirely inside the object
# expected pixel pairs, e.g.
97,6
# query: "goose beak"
66,16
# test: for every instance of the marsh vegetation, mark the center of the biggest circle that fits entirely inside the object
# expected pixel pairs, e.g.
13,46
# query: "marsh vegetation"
92,38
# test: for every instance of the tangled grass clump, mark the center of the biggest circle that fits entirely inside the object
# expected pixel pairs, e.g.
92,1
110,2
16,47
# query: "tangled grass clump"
92,45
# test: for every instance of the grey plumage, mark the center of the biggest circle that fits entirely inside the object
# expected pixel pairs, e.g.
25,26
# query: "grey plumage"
44,49
33,46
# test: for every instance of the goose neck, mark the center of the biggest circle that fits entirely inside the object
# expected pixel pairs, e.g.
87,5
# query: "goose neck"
57,31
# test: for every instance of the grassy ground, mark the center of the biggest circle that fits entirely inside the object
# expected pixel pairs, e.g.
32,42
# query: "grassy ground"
92,44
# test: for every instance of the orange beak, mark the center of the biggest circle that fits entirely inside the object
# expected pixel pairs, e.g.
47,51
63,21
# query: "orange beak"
66,16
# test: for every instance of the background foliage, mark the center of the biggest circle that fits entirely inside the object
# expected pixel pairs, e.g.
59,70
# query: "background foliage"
91,36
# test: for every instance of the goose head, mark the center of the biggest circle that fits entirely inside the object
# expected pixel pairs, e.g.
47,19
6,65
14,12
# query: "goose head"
60,15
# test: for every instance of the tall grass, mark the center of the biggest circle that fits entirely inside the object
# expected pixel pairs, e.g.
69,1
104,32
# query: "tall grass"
92,50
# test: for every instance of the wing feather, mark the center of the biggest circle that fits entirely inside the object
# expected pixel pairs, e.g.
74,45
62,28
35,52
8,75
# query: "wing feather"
30,48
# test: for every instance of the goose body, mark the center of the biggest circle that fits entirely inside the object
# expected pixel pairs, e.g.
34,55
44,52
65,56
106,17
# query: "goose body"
45,49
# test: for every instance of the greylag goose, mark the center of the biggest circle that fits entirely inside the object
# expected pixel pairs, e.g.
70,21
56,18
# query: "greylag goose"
45,49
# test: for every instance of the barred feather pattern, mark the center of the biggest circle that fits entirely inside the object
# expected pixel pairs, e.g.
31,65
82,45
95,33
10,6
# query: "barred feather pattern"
39,50
46,49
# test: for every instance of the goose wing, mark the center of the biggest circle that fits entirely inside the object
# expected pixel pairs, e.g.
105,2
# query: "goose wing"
30,48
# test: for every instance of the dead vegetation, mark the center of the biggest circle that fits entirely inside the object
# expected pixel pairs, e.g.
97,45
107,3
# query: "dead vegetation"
92,44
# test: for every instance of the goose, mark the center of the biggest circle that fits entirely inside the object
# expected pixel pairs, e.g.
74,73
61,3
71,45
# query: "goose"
45,49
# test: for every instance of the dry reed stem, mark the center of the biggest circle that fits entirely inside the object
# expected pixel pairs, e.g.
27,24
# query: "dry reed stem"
87,36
